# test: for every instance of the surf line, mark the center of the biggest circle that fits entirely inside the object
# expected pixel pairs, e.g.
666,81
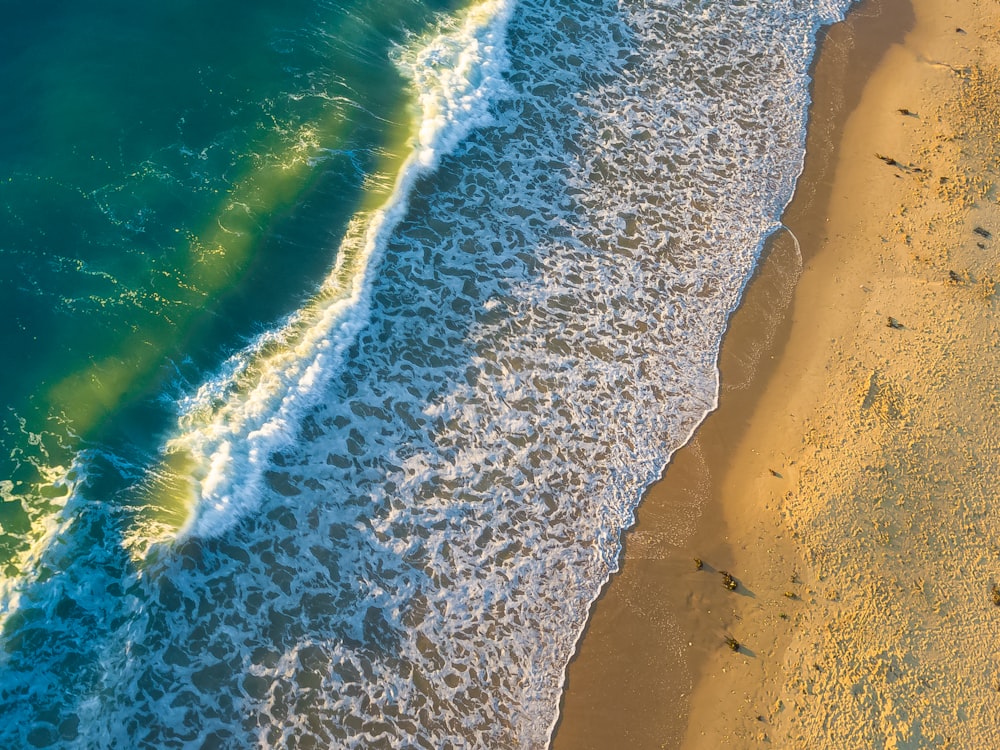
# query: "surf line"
211,471
798,247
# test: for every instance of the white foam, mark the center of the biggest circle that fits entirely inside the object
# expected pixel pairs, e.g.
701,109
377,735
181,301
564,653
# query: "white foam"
49,515
456,74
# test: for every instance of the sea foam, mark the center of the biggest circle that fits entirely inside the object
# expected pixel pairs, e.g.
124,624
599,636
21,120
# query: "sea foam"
229,428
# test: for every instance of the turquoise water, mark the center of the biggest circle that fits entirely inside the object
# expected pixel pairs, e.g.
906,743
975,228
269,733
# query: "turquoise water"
175,180
342,339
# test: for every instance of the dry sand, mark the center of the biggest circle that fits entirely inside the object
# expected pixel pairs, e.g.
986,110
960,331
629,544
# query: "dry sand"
849,480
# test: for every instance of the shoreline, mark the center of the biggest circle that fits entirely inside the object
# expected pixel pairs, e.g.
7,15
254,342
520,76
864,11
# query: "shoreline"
812,412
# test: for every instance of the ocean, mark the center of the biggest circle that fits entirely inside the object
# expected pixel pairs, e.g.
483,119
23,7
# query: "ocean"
342,339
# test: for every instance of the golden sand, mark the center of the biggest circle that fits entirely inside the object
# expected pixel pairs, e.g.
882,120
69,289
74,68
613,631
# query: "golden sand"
849,480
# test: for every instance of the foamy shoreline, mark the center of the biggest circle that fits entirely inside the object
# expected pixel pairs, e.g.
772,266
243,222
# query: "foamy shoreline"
850,484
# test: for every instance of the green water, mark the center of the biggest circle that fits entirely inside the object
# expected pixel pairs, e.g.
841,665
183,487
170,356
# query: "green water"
173,179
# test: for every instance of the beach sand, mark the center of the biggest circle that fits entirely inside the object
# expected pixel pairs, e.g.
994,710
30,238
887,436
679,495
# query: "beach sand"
849,479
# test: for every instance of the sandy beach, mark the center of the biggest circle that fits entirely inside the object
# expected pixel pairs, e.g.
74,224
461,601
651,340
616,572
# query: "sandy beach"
848,481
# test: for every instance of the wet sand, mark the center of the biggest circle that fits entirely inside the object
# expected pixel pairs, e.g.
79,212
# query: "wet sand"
848,479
